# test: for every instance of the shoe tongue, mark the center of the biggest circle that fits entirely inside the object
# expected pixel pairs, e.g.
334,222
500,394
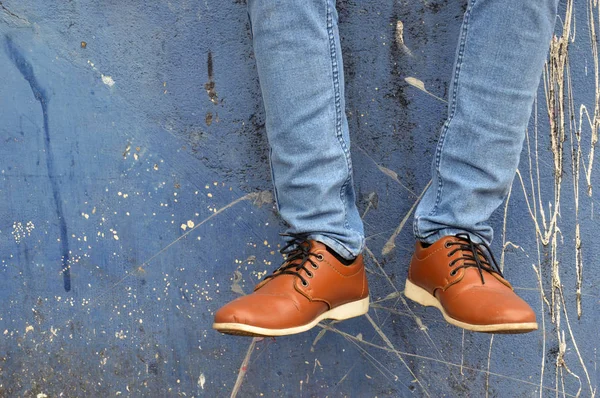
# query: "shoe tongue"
310,244
492,275
313,245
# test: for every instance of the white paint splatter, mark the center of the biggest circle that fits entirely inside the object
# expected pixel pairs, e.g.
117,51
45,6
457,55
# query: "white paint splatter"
21,231
107,80
201,380
114,232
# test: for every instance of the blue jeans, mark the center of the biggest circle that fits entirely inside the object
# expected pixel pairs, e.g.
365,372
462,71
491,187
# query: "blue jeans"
500,56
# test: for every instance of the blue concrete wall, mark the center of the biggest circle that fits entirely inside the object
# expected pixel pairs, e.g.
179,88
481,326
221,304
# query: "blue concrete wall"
135,200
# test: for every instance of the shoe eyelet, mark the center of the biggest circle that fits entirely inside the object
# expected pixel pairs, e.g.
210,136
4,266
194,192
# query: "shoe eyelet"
447,244
309,274
453,272
304,283
314,266
320,257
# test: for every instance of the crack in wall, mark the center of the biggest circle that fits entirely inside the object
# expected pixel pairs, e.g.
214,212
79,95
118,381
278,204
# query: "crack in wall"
26,70
12,14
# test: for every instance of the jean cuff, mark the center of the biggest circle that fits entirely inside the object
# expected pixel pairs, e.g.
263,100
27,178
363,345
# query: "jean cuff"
430,239
337,246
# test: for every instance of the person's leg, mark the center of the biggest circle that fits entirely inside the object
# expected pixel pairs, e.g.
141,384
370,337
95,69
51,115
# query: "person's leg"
299,61
500,57
499,62
298,56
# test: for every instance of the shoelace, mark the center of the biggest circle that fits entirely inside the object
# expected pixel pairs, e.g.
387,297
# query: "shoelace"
298,255
474,256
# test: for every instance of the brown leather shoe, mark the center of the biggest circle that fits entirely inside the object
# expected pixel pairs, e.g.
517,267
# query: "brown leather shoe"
456,276
310,286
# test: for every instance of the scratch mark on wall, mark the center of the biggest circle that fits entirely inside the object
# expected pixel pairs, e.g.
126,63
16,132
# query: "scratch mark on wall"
372,202
255,197
543,318
390,244
462,353
390,173
409,354
413,81
400,38
380,367
244,367
564,125
397,294
12,14
340,381
558,80
319,337
489,361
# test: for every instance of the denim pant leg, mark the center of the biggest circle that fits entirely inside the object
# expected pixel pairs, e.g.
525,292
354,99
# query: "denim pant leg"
501,52
299,62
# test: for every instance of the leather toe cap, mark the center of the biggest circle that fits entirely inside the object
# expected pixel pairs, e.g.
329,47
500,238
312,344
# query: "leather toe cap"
481,306
258,310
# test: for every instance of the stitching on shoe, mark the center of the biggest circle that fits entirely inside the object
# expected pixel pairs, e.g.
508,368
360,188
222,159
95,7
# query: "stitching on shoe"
454,282
312,299
338,272
362,290
287,296
430,254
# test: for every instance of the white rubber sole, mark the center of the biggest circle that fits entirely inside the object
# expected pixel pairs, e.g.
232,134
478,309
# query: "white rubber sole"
345,311
423,297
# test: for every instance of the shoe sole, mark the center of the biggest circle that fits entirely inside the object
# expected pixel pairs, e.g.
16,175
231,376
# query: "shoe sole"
423,297
345,311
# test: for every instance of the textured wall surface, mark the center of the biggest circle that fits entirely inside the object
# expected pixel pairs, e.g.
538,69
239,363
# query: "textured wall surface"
135,200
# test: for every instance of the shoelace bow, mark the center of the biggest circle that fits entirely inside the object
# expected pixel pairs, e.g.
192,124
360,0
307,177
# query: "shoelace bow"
298,255
474,256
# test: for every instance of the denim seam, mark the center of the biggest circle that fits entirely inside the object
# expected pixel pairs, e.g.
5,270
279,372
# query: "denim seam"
275,194
338,111
442,140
